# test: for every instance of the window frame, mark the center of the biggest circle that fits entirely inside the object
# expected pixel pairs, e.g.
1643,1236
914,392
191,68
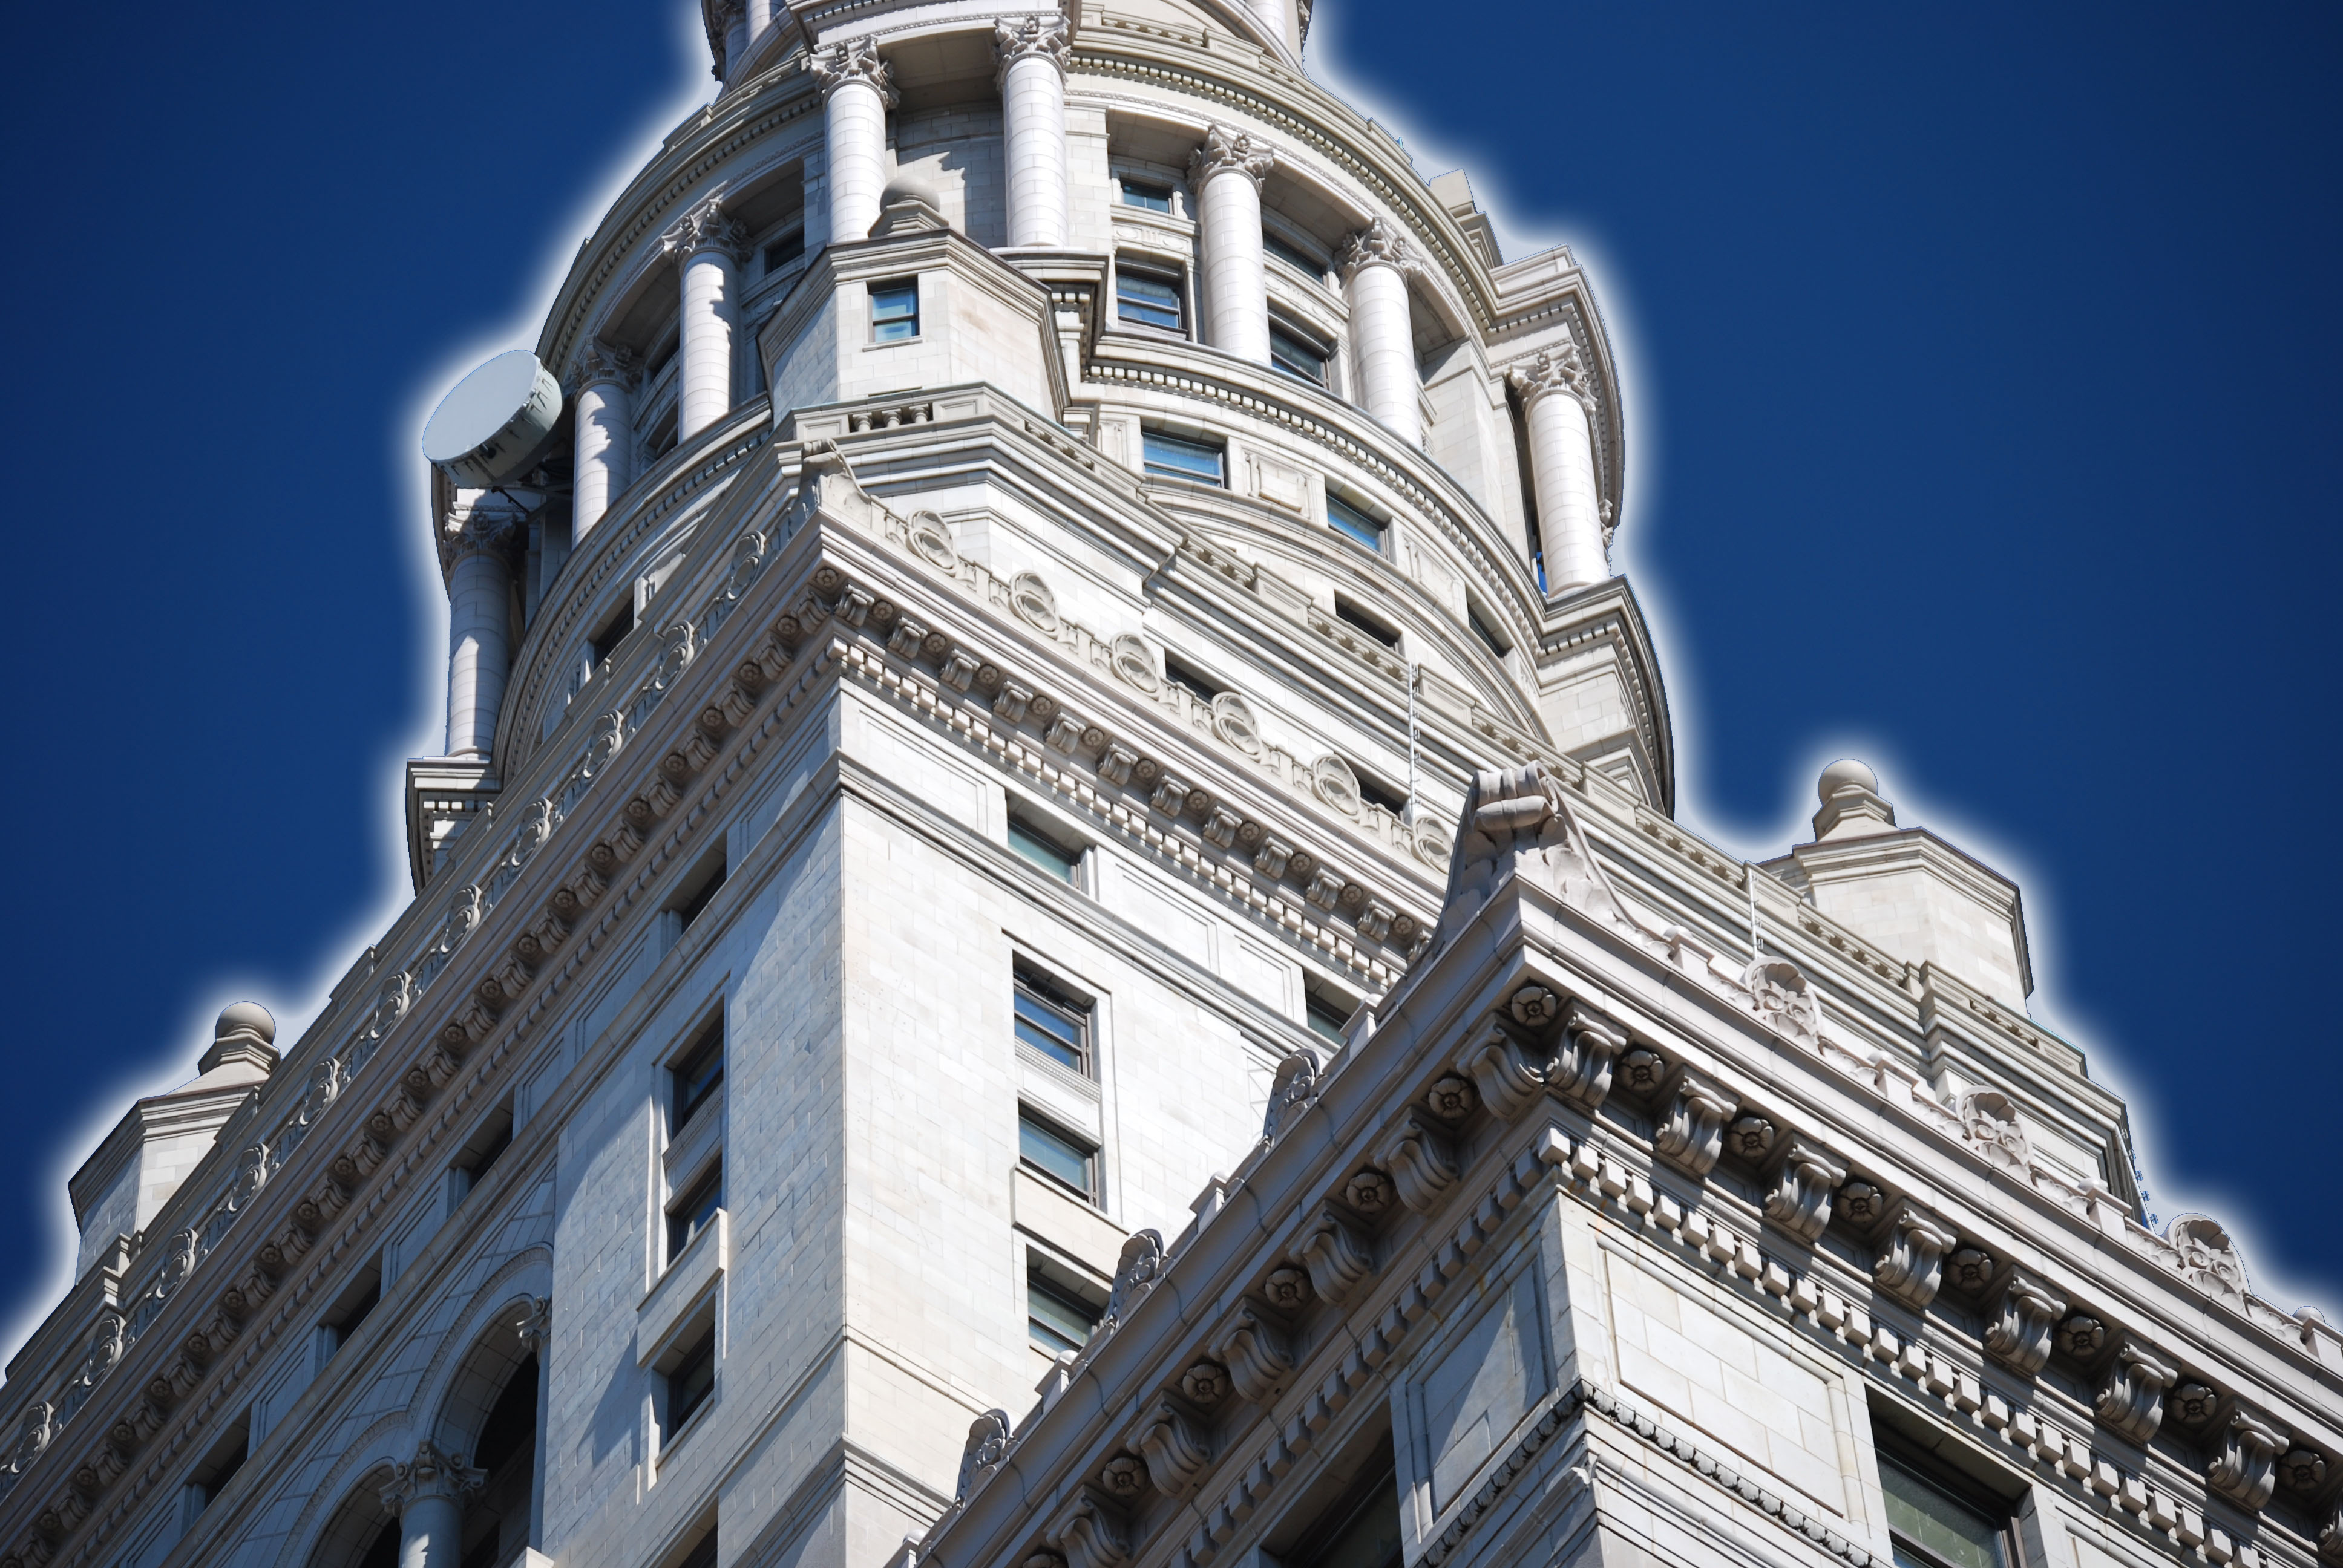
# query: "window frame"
1038,1280
1892,1450
1030,985
1046,851
709,1041
694,1211
1087,1151
1354,523
1152,469
1125,185
894,287
1171,279
1281,329
699,1352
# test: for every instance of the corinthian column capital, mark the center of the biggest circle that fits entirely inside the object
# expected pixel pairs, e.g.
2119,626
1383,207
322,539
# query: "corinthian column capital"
489,525
603,362
1560,370
852,60
1380,243
1224,150
705,227
435,1474
1016,38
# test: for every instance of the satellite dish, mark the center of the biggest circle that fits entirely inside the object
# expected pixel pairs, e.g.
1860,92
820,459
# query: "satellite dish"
492,427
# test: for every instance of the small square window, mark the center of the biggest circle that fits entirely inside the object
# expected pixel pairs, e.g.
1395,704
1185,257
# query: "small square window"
1053,1022
784,250
894,312
1179,672
1057,1317
1296,355
1171,457
1149,298
1042,849
1292,255
696,1076
1358,620
1057,1154
688,1383
1152,198
1938,1518
1484,628
1346,518
694,1212
1328,1016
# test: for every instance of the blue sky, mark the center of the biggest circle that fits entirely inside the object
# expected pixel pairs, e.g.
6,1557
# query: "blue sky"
1984,409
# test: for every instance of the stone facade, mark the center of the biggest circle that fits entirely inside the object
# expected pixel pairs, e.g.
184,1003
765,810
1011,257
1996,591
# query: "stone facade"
1059,686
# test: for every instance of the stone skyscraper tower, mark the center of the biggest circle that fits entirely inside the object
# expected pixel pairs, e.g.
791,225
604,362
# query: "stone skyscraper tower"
1052,933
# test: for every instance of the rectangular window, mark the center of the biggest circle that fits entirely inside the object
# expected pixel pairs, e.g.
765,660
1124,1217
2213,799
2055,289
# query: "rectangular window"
1360,1528
1938,1521
1057,1318
695,1077
1149,298
359,1298
688,1383
694,1212
894,312
1292,255
784,250
1139,193
1053,1022
1044,851
1346,518
1296,355
614,632
699,887
1375,794
219,1465
1057,1154
1328,1016
1484,626
1179,672
1358,620
1171,457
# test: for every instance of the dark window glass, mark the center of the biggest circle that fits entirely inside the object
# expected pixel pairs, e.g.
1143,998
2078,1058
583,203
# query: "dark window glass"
1374,794
697,1075
1296,355
1326,1018
1179,672
1053,1022
1344,518
1357,619
1055,1154
894,312
1360,1530
1154,198
694,1212
784,250
1170,457
689,1384
1149,298
1056,1318
1043,851
1484,629
1932,1528
1292,255
607,640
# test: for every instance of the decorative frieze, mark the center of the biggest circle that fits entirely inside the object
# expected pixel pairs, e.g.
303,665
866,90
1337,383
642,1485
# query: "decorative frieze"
2130,1401
1911,1266
2246,1470
1421,1165
1691,1134
1800,1198
1337,1260
1591,1044
1256,1354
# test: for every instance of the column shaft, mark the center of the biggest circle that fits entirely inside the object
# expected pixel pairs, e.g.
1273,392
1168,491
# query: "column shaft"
1386,347
479,655
1561,466
431,1533
605,452
1226,175
1033,121
710,294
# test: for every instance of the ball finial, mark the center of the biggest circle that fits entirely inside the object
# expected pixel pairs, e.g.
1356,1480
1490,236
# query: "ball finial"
246,1018
1843,773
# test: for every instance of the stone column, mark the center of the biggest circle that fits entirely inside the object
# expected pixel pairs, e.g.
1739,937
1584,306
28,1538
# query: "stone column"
1226,175
735,20
858,92
475,549
428,1498
1272,16
1034,51
604,433
536,1332
1374,263
1556,393
760,18
710,247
